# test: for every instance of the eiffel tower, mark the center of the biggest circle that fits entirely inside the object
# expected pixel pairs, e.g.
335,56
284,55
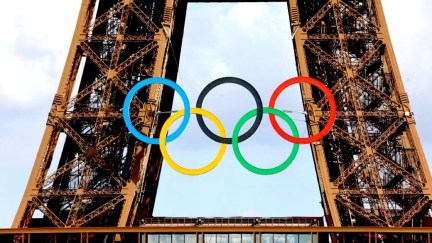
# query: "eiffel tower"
370,167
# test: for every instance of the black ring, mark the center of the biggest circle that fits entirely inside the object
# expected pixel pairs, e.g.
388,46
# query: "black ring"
240,82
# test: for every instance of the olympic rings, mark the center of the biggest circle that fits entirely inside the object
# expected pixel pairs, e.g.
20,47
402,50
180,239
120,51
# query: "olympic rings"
323,88
255,169
168,158
254,93
128,100
258,112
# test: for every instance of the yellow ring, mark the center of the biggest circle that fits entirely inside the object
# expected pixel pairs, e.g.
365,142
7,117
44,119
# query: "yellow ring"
171,162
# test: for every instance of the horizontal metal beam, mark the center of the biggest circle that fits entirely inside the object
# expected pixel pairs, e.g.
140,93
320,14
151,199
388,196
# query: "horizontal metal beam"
227,229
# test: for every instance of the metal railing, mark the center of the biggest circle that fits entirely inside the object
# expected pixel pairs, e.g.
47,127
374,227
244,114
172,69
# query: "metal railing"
139,234
233,221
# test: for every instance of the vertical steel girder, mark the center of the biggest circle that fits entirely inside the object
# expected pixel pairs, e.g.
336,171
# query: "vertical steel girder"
103,173
371,167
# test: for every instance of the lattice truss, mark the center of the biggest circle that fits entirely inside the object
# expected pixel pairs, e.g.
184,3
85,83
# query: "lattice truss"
104,176
371,167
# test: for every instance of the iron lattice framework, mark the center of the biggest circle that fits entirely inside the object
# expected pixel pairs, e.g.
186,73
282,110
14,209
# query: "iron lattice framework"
104,175
370,167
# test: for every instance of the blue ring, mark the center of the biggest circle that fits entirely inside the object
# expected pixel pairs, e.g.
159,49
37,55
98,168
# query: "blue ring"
131,94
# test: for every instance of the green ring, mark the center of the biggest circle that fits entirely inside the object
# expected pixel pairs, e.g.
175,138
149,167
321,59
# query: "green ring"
247,165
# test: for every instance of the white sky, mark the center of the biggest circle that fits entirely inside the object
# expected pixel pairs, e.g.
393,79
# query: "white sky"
249,41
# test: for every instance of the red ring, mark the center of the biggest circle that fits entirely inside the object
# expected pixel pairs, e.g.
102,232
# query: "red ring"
319,85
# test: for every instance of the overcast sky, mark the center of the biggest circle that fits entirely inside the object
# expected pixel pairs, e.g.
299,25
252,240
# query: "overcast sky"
250,41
